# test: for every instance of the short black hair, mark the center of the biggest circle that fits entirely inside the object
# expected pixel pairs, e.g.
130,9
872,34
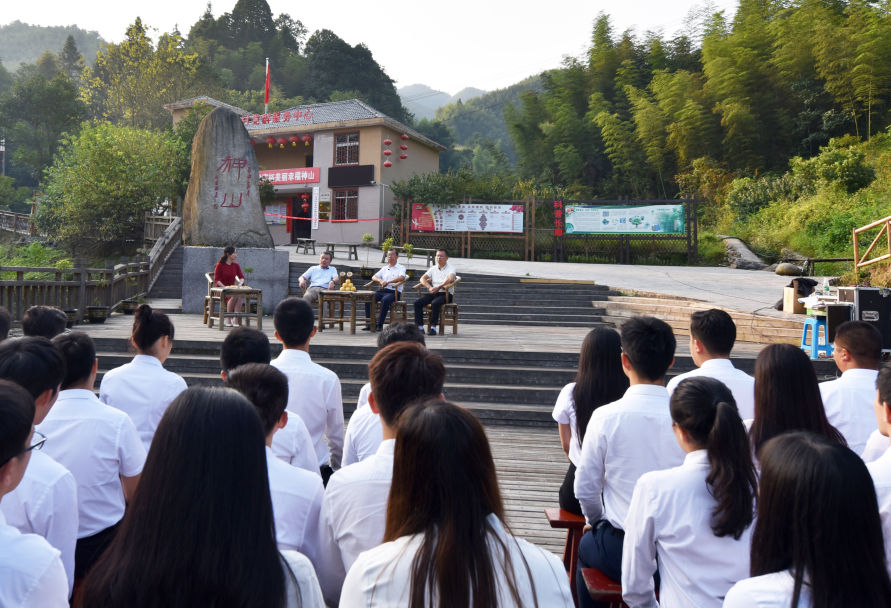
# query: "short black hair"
862,340
400,332
649,344
265,387
244,345
293,319
5,322
401,374
33,363
883,383
715,329
443,250
79,352
16,419
46,321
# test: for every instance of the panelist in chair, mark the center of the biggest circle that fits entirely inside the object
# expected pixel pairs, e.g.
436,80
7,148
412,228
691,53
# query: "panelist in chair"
438,280
391,279
317,278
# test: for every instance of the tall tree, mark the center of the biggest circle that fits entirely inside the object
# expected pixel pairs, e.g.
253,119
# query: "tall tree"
71,59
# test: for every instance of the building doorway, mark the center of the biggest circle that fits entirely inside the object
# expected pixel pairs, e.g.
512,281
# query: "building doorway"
300,228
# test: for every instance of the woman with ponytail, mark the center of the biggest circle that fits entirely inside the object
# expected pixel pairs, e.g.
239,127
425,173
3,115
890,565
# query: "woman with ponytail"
694,519
143,388
599,381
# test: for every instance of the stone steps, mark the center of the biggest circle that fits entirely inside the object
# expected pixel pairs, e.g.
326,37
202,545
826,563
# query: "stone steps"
170,282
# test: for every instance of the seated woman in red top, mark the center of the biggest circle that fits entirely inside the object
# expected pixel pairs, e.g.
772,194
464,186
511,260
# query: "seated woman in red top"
227,273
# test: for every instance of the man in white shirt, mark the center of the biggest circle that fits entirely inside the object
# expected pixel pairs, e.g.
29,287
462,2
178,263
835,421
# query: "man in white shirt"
45,502
363,434
391,278
847,400
99,444
880,469
437,280
317,278
712,335
354,509
314,391
292,443
31,573
296,494
624,440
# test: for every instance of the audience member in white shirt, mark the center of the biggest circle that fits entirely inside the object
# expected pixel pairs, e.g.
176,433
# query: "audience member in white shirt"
848,399
363,434
45,502
296,493
876,445
354,509
31,573
446,543
98,444
880,469
599,380
817,531
438,281
694,520
624,440
712,336
787,397
391,278
314,390
292,443
45,321
200,530
143,388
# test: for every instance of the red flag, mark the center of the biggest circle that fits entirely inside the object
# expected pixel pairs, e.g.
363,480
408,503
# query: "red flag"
266,94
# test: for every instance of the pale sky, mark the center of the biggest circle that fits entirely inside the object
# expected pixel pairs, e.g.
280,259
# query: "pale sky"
447,45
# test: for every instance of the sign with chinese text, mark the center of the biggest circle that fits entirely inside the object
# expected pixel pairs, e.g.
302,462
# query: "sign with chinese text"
653,219
315,208
467,217
305,175
276,214
294,116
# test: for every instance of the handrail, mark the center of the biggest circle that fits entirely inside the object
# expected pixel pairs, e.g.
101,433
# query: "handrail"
885,230
163,249
20,223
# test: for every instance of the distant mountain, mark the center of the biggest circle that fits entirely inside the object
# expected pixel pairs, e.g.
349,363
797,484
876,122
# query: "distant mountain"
422,101
24,43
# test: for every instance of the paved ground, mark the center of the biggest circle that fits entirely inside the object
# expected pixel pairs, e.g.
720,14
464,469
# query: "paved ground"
743,290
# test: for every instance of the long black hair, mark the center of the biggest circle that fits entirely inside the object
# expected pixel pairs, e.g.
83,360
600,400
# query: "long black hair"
199,530
600,379
226,253
704,408
818,517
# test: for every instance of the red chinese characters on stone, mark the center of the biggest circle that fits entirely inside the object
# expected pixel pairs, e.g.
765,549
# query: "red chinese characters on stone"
230,164
230,200
231,167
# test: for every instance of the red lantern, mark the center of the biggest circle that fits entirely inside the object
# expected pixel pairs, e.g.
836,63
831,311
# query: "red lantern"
305,206
388,164
403,156
404,137
270,141
307,139
403,147
304,196
387,142
282,142
387,152
293,139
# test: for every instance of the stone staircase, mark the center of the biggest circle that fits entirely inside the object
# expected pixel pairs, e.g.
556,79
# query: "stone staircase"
170,282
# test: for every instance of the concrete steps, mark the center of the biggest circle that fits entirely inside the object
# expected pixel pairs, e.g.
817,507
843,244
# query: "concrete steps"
170,282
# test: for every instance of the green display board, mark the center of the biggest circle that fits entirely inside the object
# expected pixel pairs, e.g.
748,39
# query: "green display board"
653,219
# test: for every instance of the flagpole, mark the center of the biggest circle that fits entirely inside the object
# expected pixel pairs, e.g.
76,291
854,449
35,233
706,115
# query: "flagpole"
266,92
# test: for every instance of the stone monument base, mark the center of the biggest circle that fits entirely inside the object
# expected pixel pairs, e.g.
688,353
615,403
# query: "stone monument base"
270,274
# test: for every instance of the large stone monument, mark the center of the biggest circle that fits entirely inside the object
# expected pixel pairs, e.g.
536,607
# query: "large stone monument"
222,204
223,208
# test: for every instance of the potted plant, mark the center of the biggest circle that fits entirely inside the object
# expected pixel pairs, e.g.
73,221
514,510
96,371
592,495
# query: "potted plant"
71,313
409,250
366,272
97,313
129,306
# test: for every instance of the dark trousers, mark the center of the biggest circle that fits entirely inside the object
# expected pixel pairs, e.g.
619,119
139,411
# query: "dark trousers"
568,501
88,549
384,298
601,548
435,300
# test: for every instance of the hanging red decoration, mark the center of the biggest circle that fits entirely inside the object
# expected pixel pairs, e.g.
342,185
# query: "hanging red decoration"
304,196
404,137
387,142
293,139
403,156
282,142
387,152
307,139
388,164
270,141
403,147
305,206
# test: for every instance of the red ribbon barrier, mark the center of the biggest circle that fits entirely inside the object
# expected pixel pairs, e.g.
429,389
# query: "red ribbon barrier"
364,219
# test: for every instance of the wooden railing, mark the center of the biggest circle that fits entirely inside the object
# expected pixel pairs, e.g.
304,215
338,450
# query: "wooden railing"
884,227
79,287
155,227
20,223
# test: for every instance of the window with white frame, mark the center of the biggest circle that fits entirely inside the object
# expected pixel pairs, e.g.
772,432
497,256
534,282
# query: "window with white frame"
346,149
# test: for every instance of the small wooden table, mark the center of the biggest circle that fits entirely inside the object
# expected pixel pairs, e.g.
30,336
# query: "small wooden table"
250,295
429,253
338,301
305,244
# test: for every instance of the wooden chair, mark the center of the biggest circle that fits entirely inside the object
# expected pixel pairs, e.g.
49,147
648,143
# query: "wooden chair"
210,301
573,524
602,588
397,313
448,315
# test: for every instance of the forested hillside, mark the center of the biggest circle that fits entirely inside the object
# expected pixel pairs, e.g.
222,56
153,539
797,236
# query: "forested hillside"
23,43
422,101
